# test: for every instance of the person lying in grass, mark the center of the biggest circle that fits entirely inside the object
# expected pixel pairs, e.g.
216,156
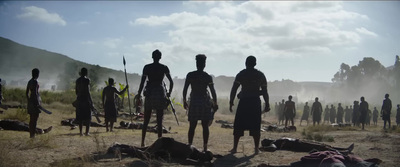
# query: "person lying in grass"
163,148
297,145
8,124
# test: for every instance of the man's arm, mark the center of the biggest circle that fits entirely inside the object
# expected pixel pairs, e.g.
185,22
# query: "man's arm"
27,92
233,94
266,98
171,84
142,84
185,88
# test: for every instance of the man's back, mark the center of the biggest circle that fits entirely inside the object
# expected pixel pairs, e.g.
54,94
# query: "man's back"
155,73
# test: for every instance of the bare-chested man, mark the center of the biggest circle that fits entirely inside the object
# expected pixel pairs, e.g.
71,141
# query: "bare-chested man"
248,113
108,99
155,93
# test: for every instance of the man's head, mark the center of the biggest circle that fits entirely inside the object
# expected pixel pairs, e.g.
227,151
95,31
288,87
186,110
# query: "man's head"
362,98
156,55
110,81
251,61
83,72
316,99
340,104
283,100
386,95
290,97
201,61
306,103
35,73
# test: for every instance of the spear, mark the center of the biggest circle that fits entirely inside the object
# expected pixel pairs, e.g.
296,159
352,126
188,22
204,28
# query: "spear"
126,78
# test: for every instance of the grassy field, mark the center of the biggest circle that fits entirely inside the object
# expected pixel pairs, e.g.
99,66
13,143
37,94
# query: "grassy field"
64,147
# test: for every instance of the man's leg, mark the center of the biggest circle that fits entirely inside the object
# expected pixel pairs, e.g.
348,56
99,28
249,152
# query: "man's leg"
191,132
160,116
384,124
292,119
80,128
107,126
206,134
87,124
111,125
32,124
147,115
236,136
256,136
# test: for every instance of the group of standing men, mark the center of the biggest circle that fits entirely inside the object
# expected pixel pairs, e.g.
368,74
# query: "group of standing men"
359,114
201,106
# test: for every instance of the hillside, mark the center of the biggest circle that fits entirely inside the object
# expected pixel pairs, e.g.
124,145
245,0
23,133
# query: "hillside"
17,61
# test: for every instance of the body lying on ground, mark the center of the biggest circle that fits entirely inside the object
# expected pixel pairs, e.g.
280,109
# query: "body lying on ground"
330,159
8,124
73,123
163,148
276,128
136,125
297,145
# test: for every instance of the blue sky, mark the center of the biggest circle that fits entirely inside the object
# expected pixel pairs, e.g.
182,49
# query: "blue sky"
297,40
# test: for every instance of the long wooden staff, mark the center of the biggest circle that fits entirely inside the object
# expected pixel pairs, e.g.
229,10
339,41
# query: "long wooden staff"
126,78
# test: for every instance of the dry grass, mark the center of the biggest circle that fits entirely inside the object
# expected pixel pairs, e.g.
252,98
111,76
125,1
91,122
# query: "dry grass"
64,147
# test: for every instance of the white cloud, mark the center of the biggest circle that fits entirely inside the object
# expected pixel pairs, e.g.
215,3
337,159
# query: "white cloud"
42,15
112,42
88,42
363,30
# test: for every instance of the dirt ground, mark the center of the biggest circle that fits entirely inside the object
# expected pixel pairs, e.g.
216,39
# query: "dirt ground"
64,147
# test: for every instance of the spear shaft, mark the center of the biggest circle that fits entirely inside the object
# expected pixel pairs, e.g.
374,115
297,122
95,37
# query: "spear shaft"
129,100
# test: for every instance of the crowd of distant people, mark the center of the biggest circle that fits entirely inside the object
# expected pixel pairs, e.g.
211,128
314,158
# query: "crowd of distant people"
358,114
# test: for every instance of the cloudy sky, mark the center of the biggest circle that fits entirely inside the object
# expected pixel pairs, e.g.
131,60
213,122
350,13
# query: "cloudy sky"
301,41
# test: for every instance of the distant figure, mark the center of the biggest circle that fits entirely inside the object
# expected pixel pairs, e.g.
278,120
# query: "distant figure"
356,114
347,114
375,115
316,111
276,108
386,110
281,116
201,107
363,112
340,113
8,124
368,120
290,111
108,101
33,101
332,114
155,93
248,114
306,112
84,101
398,115
326,116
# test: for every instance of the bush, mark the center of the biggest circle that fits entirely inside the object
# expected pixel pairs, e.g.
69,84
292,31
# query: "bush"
21,115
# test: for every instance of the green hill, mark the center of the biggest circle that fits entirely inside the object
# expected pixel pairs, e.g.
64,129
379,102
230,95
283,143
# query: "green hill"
17,61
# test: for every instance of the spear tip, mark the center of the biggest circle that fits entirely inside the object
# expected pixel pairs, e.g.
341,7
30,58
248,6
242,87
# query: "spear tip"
123,57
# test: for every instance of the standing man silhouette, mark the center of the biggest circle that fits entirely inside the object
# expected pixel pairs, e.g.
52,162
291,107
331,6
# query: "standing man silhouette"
248,113
316,111
33,101
290,111
201,106
84,101
155,93
386,110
